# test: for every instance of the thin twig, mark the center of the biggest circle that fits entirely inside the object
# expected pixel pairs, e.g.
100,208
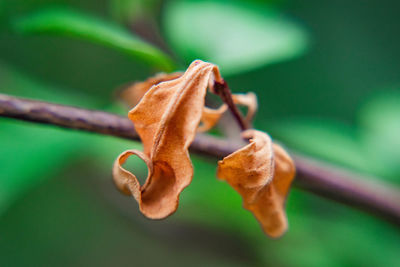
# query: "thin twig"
371,195
223,91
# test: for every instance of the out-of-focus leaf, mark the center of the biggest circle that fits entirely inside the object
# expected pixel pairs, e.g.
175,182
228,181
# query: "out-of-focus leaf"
380,119
236,36
126,10
30,154
328,139
71,23
20,84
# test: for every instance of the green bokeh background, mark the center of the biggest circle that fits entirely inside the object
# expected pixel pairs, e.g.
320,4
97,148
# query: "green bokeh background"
333,93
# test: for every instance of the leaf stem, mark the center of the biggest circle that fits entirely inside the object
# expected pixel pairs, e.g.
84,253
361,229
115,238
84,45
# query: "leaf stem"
223,91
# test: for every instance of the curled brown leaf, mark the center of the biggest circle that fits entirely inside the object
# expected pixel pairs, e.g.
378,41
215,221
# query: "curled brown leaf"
248,100
210,117
261,173
133,93
166,119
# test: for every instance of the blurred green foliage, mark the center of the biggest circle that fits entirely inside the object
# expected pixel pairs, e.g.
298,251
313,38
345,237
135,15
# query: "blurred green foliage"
74,24
58,205
237,37
379,118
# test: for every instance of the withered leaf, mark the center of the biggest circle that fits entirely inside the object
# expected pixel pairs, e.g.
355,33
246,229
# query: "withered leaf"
136,91
261,172
248,100
210,117
166,120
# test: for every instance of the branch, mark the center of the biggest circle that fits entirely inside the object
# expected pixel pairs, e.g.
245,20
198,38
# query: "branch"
373,196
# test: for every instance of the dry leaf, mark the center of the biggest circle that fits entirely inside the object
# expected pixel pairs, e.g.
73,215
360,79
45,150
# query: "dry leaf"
210,117
261,173
166,120
248,100
136,91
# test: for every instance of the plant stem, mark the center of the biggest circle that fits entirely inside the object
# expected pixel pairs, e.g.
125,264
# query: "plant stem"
371,195
223,91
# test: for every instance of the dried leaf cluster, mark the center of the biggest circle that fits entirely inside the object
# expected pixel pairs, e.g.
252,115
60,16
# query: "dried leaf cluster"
261,173
168,111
